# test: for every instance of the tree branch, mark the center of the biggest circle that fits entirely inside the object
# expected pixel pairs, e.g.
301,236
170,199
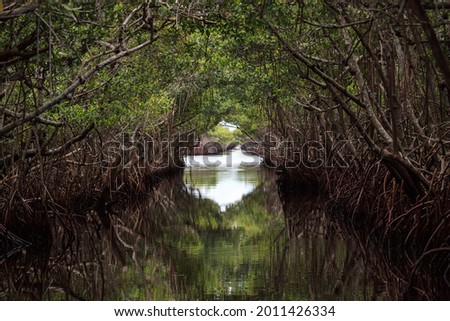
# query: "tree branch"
54,151
71,89
314,67
41,120
439,56
14,13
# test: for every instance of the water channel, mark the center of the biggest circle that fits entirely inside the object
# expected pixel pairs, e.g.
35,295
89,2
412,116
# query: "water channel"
216,232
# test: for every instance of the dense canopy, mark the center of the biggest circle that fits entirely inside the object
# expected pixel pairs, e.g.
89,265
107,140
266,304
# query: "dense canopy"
351,97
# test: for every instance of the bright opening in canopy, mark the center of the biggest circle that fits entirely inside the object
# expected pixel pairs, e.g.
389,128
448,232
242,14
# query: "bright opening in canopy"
231,127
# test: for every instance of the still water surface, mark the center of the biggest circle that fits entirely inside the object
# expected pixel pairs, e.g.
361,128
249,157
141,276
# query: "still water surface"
218,232
247,254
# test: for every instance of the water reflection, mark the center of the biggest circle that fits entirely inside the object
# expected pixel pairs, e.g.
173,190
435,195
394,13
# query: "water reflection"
233,253
225,179
210,234
223,186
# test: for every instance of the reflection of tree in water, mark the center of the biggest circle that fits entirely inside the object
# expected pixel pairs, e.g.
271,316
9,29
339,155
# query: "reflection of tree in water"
172,245
91,260
337,269
228,256
309,261
330,267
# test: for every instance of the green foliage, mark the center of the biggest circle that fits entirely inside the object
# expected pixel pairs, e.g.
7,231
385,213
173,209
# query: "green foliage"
221,134
196,73
224,135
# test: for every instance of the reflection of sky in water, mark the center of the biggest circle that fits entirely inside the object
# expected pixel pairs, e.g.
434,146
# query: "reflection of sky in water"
223,178
230,187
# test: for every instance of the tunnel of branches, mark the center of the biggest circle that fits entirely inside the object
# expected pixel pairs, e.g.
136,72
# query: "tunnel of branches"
349,100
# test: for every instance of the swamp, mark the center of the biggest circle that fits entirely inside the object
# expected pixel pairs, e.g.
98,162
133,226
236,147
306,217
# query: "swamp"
224,150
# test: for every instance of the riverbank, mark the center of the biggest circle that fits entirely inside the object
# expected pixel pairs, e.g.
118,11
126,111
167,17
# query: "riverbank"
84,185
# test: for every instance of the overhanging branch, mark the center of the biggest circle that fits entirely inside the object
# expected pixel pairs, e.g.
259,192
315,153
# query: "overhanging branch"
14,13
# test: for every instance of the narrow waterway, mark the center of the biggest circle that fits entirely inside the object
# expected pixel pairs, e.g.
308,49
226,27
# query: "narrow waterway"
248,254
217,232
